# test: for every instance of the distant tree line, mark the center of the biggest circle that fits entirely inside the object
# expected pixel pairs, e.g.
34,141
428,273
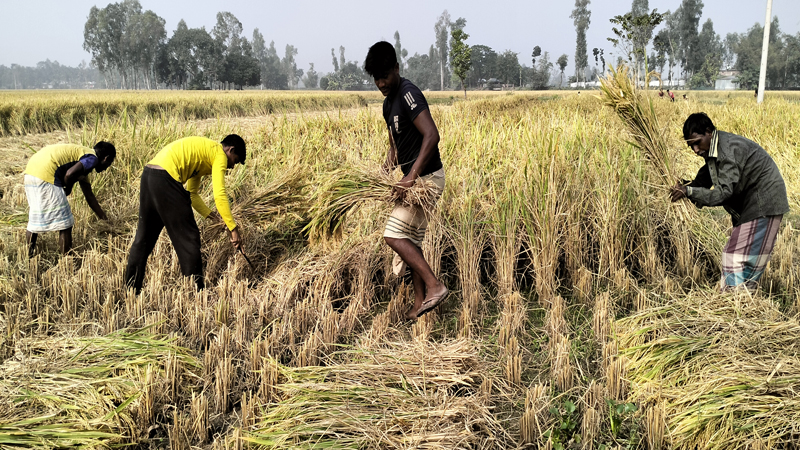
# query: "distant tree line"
131,49
49,75
683,48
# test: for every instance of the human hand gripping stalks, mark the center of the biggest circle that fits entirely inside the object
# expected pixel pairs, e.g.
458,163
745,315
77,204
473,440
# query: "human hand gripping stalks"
343,190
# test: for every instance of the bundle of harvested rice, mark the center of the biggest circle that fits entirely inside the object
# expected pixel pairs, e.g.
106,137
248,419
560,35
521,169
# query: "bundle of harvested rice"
71,392
638,114
345,189
403,395
724,370
257,206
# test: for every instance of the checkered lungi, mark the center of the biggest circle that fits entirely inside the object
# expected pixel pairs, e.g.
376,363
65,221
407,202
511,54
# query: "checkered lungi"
49,207
747,252
411,222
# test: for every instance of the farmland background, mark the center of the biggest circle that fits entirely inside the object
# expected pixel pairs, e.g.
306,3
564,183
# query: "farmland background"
562,250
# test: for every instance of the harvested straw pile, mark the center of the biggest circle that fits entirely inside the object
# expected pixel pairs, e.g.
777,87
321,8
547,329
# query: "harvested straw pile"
67,392
345,189
723,369
403,395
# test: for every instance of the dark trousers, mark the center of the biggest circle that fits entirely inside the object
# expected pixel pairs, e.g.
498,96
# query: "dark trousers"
164,203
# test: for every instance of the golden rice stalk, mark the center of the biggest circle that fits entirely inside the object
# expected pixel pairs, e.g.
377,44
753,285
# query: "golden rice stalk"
62,391
638,114
535,420
283,195
343,190
562,370
601,316
619,92
555,324
655,426
590,427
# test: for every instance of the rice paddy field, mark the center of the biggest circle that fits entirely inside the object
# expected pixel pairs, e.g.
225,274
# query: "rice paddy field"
584,311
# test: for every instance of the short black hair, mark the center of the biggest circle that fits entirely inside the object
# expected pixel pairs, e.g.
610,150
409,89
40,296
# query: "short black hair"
239,147
698,123
381,59
103,149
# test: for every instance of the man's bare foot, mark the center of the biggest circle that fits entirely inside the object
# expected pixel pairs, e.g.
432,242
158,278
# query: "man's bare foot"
436,291
411,315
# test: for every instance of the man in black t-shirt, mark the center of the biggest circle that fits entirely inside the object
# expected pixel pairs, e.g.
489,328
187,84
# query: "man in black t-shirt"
413,145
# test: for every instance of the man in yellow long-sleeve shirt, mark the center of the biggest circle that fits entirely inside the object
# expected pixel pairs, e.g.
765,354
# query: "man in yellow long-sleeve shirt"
164,203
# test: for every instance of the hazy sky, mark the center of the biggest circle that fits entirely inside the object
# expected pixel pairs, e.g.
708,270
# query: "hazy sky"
35,30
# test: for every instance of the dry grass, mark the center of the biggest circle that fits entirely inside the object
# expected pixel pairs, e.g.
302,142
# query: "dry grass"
547,208
722,370
392,395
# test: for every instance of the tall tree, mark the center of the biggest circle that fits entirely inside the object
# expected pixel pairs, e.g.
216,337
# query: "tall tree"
312,78
423,69
508,68
260,53
348,75
123,41
228,32
581,17
191,58
334,60
483,63
792,69
629,30
729,50
460,54
688,26
748,57
643,33
440,29
541,75
272,76
599,58
145,33
709,43
399,51
562,64
670,38
537,51
289,66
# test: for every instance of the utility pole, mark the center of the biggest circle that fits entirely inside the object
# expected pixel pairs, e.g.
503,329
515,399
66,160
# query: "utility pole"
762,77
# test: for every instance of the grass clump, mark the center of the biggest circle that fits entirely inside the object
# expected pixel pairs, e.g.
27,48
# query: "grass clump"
344,190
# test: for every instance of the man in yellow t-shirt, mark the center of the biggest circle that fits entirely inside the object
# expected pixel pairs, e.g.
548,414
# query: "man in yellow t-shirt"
49,178
164,203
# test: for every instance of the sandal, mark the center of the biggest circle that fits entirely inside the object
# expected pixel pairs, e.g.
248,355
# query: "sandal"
432,303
